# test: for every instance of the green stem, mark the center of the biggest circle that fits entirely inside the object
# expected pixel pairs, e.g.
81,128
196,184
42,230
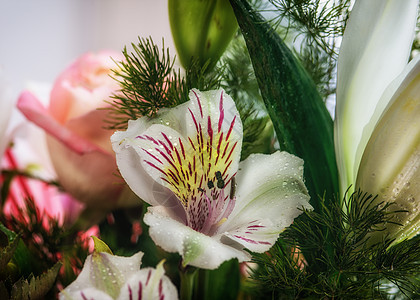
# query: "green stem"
188,275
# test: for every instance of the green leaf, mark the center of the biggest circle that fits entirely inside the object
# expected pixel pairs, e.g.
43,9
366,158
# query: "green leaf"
7,253
22,256
222,283
100,246
37,287
4,294
4,240
300,118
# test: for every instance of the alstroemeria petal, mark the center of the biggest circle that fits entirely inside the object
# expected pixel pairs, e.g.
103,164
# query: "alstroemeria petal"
374,50
161,148
105,272
209,142
215,114
390,165
149,283
196,249
182,149
87,293
129,163
270,194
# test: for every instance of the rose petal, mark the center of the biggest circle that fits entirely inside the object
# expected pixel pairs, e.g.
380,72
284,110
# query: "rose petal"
33,110
79,175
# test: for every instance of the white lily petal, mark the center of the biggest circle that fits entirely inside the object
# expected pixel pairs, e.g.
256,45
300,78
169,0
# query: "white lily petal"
196,249
391,162
149,283
105,272
374,50
270,194
87,293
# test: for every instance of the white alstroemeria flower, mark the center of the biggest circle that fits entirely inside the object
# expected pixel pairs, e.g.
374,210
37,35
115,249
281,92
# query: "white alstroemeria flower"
105,276
205,204
378,109
374,51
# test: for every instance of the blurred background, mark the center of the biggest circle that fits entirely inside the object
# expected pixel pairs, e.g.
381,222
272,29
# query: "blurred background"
40,38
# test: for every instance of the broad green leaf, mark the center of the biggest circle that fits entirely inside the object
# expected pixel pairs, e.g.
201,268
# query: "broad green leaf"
222,283
300,118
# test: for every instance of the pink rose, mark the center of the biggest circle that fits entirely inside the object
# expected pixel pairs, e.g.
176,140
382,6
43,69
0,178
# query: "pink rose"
78,143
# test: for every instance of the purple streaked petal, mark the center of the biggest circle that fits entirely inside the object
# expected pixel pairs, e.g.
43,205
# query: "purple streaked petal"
149,283
197,249
270,195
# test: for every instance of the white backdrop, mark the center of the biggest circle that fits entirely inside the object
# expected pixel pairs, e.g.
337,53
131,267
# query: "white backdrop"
38,39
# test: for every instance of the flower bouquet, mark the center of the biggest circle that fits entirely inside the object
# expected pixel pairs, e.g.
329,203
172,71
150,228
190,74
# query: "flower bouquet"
219,173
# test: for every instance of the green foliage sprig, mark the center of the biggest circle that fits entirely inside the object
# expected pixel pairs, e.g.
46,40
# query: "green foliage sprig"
13,284
44,246
345,263
316,25
149,81
316,20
